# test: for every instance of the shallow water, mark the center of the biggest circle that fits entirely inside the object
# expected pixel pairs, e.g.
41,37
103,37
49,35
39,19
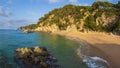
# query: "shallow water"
63,49
84,51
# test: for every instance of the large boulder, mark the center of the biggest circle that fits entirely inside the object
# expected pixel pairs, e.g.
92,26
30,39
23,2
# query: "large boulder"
36,57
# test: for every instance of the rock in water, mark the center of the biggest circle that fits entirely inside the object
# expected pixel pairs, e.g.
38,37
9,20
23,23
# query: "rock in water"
36,57
3,62
27,31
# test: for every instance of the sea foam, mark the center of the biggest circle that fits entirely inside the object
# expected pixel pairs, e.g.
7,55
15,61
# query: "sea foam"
92,62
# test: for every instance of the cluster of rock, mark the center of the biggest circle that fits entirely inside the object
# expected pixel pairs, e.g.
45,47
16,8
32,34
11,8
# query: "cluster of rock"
36,57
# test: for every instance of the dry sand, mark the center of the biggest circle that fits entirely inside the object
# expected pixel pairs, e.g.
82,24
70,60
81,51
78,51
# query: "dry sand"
104,45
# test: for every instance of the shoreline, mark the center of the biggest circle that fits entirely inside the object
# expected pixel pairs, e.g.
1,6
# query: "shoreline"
100,44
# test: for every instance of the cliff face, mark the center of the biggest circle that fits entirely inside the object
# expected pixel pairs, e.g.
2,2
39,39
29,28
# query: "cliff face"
52,28
106,20
101,16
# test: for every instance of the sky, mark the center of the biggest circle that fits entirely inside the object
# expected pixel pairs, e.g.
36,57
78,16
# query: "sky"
16,13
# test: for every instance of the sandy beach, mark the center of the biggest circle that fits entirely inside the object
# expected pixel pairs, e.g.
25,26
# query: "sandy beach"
104,45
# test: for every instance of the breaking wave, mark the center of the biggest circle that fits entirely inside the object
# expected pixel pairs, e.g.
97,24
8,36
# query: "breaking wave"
92,62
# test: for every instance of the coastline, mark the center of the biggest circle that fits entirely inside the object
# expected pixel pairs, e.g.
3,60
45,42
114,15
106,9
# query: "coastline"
100,44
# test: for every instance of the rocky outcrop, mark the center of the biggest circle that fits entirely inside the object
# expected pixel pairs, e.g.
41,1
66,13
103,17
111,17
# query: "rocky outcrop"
105,19
82,21
36,57
53,28
81,24
71,28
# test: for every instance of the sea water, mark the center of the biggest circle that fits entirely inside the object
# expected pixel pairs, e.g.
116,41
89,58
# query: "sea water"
63,49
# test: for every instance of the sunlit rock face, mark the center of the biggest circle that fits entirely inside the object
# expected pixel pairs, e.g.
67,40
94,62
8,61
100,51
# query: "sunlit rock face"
53,28
36,57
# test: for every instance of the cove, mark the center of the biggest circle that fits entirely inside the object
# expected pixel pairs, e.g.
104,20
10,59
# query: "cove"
63,49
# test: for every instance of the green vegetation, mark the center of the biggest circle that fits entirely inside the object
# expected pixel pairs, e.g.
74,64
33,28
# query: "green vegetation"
98,13
91,25
116,27
32,26
73,14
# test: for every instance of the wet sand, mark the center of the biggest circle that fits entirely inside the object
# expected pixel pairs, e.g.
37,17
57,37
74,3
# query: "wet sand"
104,45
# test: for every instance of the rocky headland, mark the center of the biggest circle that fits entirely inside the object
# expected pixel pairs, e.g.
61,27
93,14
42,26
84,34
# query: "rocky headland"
100,17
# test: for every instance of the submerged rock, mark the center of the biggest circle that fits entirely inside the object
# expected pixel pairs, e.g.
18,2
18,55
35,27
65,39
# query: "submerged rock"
36,57
3,62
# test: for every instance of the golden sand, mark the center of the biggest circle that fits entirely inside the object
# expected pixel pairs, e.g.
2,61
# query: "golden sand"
108,44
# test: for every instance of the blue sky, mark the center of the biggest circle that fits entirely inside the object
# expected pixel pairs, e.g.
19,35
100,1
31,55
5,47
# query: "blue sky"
16,13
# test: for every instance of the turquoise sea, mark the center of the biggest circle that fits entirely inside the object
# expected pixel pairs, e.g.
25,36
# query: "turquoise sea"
63,49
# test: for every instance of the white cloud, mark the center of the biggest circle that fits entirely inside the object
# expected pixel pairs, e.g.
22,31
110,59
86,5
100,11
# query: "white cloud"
73,1
4,12
54,1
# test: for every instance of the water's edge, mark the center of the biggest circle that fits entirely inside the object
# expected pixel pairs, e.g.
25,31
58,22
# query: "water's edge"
83,52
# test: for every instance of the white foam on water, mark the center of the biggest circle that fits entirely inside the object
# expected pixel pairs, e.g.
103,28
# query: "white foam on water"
99,59
93,62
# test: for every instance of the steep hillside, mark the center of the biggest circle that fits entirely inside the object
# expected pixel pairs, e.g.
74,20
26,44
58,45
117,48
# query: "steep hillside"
101,16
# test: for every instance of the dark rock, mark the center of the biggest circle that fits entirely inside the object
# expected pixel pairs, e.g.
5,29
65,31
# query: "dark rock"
36,57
